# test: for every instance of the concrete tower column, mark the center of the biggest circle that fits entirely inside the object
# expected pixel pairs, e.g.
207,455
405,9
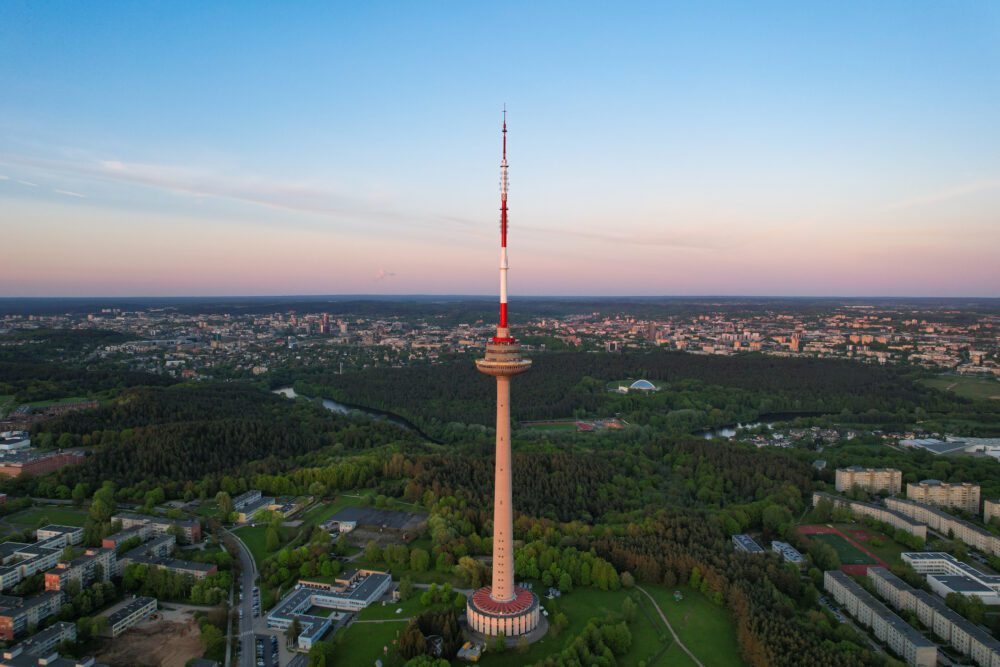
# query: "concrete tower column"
503,496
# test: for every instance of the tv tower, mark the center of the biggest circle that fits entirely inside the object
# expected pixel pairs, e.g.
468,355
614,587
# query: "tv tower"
503,608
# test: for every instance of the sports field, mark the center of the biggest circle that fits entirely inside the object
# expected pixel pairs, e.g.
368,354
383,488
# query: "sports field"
848,553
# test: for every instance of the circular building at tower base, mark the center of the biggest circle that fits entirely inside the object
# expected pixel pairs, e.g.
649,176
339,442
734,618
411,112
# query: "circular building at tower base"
513,619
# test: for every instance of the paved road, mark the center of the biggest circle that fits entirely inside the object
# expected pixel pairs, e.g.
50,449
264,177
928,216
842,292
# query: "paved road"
671,628
248,577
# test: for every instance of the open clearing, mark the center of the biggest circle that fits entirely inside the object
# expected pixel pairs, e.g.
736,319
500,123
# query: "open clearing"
42,515
966,386
167,639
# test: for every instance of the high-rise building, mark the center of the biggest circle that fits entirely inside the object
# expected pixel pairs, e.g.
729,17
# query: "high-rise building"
872,480
962,495
503,608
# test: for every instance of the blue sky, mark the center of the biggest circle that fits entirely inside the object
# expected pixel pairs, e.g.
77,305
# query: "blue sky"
717,148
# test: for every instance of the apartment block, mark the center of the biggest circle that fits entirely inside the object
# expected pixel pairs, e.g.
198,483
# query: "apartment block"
123,616
959,529
873,480
17,614
962,495
902,639
960,633
93,565
188,530
878,512
991,508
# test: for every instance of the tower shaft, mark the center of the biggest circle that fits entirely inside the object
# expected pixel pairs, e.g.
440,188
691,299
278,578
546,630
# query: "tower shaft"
503,500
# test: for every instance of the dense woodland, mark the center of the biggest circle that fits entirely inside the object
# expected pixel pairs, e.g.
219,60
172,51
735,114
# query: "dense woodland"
646,504
698,391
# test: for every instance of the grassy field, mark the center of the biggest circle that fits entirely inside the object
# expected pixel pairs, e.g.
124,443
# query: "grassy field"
363,643
848,553
966,386
255,537
704,627
39,516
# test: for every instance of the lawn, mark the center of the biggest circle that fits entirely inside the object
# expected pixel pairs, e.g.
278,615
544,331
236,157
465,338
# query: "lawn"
847,552
33,517
966,386
255,537
362,643
322,511
704,627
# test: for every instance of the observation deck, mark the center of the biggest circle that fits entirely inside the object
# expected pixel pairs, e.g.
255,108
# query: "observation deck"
503,359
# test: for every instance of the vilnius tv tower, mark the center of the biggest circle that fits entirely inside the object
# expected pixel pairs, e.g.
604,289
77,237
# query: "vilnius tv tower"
503,608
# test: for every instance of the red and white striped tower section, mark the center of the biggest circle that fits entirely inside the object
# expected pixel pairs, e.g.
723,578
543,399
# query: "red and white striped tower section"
503,608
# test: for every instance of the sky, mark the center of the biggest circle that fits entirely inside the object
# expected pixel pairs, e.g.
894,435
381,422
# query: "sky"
243,148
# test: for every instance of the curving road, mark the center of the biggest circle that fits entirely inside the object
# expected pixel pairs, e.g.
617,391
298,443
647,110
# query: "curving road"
248,576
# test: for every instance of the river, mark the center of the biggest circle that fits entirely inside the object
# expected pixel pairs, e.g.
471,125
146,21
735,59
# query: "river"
767,419
342,409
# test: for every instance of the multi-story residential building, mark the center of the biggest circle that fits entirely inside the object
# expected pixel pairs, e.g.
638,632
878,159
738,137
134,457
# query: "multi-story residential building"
17,614
962,634
878,512
902,639
873,480
19,560
124,615
188,530
44,642
962,495
955,528
142,533
747,544
93,565
73,534
991,508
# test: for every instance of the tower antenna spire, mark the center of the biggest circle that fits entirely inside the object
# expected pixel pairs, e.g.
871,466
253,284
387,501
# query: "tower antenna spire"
503,332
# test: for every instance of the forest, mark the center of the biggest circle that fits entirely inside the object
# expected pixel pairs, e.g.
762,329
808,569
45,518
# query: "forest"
699,391
169,436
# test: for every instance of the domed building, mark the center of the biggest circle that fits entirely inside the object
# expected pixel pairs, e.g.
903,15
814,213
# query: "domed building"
642,385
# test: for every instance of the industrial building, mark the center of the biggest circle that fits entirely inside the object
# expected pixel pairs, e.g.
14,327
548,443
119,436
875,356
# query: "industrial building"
872,480
902,639
963,635
961,495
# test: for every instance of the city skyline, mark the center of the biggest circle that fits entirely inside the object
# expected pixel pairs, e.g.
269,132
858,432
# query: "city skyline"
339,150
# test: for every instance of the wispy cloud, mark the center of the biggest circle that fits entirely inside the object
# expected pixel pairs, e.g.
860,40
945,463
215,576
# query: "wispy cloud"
955,192
208,183
697,240
70,193
4,178
383,275
28,183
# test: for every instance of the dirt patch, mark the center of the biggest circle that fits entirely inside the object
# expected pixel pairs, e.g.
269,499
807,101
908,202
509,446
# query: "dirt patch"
156,642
